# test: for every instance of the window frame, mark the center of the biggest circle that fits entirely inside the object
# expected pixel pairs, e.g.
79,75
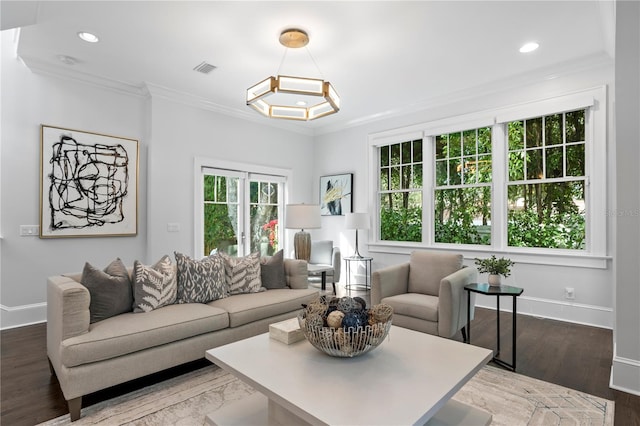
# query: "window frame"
594,255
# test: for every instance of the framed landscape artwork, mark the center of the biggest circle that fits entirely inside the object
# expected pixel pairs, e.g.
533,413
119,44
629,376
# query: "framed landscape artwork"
335,194
88,184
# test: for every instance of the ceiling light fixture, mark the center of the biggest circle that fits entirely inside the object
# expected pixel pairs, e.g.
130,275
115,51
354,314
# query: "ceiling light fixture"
529,47
257,95
88,37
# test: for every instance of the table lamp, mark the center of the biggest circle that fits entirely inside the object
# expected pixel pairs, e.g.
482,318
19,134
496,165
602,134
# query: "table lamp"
302,216
357,221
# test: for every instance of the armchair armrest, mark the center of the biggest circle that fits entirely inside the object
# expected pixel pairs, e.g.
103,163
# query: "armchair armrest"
389,281
452,301
296,273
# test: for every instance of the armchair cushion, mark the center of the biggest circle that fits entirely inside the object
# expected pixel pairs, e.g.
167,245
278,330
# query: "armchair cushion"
426,269
421,306
321,252
325,254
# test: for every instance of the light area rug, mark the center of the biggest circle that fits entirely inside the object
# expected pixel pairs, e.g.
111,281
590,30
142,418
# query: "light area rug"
512,399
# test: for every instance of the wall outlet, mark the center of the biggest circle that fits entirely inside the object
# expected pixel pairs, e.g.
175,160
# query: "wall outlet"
29,230
569,293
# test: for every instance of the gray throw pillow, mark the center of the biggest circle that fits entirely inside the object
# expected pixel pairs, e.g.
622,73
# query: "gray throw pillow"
110,290
243,273
272,271
154,286
200,281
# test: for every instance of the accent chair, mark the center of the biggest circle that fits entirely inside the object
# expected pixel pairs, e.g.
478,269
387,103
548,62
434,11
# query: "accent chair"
427,292
323,253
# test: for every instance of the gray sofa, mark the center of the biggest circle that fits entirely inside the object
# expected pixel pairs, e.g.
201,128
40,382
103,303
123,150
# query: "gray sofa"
89,357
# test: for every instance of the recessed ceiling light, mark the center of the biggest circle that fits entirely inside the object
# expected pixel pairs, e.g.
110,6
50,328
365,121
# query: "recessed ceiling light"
529,47
301,103
68,60
88,37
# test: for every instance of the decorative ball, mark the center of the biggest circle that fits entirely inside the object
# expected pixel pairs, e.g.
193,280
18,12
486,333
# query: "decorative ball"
334,319
381,312
347,304
353,320
314,321
361,301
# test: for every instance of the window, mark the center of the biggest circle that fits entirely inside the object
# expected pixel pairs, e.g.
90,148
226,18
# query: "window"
400,191
546,189
241,211
529,178
462,195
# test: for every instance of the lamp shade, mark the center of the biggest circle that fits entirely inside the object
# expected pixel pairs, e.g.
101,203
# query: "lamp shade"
302,216
357,221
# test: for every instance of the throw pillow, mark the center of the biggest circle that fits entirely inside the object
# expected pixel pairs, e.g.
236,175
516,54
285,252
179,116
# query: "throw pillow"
110,290
200,281
243,273
154,286
272,272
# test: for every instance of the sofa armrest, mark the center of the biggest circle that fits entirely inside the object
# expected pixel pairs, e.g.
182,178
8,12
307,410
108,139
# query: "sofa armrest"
67,313
389,281
452,301
296,273
337,263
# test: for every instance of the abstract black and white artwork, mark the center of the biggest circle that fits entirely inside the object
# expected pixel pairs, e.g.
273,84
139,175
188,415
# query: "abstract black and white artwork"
89,184
335,194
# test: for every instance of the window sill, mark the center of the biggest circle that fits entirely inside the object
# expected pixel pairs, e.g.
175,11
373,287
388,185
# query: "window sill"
524,255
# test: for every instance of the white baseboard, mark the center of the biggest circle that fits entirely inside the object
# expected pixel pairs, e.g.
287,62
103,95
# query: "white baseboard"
19,316
625,375
578,313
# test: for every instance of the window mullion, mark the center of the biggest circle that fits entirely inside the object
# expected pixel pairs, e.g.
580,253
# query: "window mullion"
499,148
428,185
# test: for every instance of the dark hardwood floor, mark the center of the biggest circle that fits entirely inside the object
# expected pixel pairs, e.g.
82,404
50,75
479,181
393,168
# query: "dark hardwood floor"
570,355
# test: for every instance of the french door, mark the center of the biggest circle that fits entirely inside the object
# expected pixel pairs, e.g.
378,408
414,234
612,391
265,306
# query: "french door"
241,212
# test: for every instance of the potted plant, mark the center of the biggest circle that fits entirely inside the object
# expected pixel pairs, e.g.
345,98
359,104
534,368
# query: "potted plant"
495,268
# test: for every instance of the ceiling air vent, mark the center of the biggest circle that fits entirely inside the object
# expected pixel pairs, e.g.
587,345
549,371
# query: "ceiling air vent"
204,68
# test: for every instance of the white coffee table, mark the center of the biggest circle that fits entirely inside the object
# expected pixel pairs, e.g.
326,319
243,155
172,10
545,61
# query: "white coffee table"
409,379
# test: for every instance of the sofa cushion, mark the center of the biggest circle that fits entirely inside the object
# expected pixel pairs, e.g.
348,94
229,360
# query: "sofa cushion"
421,306
246,308
129,332
242,273
427,269
272,271
110,290
200,281
154,286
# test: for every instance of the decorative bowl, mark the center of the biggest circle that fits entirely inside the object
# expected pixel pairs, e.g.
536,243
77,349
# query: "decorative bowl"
345,340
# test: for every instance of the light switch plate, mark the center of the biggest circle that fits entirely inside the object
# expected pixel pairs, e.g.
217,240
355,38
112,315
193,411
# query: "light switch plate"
29,230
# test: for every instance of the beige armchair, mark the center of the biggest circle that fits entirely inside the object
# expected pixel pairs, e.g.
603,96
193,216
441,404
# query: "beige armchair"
323,253
427,293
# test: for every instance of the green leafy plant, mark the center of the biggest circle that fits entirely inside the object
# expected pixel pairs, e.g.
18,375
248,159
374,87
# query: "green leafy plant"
495,266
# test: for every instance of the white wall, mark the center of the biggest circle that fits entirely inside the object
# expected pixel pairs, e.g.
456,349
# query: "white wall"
171,134
179,133
346,151
625,373
29,100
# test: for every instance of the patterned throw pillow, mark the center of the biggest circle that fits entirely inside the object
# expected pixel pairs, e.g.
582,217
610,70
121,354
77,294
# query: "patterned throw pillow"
110,290
200,281
243,273
154,286
272,271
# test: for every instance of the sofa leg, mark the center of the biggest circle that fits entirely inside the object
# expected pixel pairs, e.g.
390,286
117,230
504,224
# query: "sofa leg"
75,405
464,334
51,369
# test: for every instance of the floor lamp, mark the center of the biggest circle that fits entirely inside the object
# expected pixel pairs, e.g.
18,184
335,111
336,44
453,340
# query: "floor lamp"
357,221
302,216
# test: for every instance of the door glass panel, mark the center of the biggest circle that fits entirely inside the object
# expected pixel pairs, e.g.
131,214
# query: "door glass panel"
221,220
263,217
